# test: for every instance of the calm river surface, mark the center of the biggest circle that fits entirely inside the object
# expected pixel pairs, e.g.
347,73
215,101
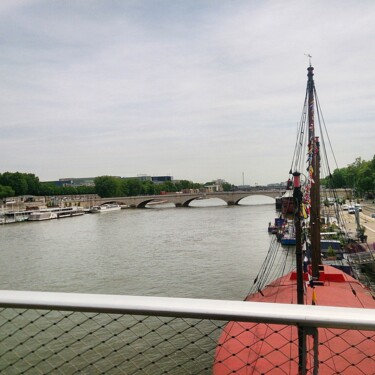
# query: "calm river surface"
198,252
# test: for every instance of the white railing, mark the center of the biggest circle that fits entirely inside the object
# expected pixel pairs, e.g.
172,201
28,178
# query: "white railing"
309,316
43,332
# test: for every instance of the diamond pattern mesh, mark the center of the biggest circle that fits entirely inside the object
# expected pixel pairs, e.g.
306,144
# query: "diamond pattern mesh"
45,342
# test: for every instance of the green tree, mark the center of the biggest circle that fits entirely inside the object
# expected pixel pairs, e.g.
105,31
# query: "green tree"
196,186
185,184
6,191
365,178
17,181
168,186
48,189
227,187
85,190
359,176
148,188
33,184
107,186
134,187
338,178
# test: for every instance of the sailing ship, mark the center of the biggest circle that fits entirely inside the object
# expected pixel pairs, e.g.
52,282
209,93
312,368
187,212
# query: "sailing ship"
302,278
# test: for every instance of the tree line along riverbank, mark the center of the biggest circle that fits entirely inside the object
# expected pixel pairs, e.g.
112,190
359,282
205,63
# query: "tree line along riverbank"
18,184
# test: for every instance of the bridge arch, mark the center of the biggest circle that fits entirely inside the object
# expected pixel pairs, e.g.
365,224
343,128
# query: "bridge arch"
187,202
144,203
216,201
110,202
265,199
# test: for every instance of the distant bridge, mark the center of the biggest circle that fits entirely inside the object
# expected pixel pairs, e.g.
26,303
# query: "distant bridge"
182,200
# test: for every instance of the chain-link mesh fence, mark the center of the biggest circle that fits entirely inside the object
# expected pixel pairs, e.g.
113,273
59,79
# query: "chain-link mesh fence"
36,341
44,342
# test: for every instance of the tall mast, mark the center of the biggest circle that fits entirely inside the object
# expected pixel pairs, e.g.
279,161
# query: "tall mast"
314,172
297,199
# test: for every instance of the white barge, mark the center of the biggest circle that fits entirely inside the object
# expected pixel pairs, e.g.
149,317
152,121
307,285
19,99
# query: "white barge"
105,208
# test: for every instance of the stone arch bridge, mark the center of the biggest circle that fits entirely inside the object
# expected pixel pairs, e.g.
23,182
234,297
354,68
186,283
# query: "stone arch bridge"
181,200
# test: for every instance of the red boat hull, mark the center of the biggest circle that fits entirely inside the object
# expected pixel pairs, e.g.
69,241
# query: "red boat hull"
258,348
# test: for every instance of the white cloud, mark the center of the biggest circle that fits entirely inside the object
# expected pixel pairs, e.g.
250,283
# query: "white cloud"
203,90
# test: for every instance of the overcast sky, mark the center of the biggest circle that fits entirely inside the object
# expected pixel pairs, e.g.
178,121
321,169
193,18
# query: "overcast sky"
198,90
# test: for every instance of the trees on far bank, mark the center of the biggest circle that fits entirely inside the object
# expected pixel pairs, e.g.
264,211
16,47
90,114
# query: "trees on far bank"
51,189
6,191
359,176
17,183
108,186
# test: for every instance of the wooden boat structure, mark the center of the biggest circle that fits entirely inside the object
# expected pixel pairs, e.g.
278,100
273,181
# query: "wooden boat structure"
303,277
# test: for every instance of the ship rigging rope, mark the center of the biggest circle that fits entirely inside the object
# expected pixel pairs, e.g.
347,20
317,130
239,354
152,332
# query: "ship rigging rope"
268,270
298,159
261,279
325,128
301,139
324,161
272,268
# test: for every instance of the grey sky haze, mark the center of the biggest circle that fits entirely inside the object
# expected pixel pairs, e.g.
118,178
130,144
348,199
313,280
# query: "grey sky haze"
196,89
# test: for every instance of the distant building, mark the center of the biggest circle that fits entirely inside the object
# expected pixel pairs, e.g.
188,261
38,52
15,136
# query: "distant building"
82,181
144,177
89,181
154,179
161,179
213,188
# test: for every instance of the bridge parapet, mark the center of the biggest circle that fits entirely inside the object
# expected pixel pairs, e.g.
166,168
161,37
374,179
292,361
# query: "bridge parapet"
183,200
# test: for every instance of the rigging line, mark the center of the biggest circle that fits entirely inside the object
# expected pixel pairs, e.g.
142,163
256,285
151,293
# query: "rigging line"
320,115
368,283
325,128
302,142
269,267
340,214
300,131
266,275
300,137
266,261
304,145
351,283
323,144
277,272
259,281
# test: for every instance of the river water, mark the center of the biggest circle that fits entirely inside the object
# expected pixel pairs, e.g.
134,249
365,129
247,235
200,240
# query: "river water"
210,250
